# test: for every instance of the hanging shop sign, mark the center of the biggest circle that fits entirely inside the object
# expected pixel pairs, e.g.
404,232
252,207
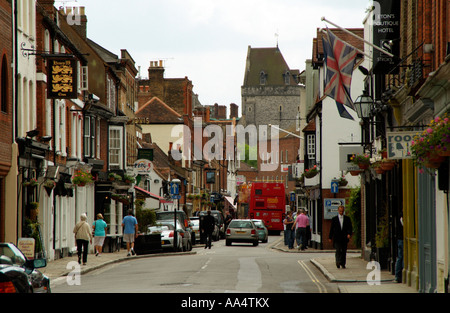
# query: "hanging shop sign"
399,145
62,74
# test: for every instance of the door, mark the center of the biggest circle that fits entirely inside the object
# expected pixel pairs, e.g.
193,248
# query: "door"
427,233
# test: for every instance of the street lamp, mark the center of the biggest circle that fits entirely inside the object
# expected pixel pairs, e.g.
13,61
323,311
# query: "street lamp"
363,105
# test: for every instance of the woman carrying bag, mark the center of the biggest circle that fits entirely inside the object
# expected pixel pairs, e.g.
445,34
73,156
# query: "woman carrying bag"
83,235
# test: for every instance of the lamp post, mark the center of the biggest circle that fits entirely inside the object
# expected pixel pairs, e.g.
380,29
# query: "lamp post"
364,108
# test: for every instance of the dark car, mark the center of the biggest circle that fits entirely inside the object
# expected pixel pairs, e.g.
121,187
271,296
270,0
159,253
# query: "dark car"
20,275
170,215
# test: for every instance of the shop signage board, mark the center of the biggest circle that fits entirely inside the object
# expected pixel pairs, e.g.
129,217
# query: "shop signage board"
399,145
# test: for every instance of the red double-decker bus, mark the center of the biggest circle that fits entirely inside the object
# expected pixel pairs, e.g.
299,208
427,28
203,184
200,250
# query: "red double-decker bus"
267,202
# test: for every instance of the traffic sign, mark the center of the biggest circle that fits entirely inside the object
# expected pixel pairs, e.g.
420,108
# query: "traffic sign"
334,187
176,197
174,189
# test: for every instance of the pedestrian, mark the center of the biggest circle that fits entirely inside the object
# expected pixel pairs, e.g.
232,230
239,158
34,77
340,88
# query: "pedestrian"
301,222
83,236
130,232
340,233
100,229
288,231
399,261
228,219
208,225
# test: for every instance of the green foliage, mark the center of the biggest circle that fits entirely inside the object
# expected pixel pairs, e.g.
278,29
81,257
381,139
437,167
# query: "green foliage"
353,211
248,152
145,217
382,235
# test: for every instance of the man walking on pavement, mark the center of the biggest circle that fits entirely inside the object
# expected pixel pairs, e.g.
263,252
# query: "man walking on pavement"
340,234
208,228
130,231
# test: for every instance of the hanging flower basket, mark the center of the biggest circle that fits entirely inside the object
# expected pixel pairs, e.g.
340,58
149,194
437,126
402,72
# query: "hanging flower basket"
31,183
387,165
128,179
429,147
355,173
434,161
363,161
312,172
114,177
81,178
378,167
48,186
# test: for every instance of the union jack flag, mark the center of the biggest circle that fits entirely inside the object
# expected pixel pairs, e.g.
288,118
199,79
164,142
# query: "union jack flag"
339,59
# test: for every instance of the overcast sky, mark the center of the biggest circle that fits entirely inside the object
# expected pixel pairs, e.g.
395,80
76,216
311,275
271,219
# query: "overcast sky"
207,40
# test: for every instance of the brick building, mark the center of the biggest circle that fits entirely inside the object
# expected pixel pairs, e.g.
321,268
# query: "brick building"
7,177
177,93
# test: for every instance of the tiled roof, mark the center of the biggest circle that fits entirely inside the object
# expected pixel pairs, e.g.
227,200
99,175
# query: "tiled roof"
272,62
159,113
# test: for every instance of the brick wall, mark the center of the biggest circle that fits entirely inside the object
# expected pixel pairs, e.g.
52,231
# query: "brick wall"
6,113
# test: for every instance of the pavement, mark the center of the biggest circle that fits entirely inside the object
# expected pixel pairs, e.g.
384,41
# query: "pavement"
352,279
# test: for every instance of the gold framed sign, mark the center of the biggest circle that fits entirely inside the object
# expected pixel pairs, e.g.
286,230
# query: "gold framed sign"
62,74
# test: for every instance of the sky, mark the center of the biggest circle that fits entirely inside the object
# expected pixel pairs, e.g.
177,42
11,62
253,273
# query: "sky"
207,40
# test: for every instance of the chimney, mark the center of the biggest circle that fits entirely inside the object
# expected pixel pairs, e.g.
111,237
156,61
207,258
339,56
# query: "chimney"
77,18
156,71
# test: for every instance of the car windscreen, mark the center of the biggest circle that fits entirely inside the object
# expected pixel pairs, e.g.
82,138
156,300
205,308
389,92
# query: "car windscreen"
240,224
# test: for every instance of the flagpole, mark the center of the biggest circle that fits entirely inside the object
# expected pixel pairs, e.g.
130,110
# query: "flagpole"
356,36
359,50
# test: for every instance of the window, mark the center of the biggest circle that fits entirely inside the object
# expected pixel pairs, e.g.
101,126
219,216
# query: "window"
89,136
115,147
262,78
84,78
4,85
311,148
287,78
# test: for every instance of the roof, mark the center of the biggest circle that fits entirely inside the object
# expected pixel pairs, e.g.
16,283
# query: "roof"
272,63
158,112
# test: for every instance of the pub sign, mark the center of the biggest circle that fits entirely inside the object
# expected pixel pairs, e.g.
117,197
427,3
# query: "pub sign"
62,72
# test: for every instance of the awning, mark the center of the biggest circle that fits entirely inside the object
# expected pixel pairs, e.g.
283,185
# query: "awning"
231,201
149,194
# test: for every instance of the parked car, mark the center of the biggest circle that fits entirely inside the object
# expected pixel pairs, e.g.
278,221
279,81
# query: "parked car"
185,234
167,234
242,230
195,226
170,215
263,232
20,275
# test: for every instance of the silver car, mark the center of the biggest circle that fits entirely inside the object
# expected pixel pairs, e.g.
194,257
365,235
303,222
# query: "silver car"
242,231
195,221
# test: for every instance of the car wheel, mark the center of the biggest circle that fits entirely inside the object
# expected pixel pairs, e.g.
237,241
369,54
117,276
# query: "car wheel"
265,240
256,243
228,242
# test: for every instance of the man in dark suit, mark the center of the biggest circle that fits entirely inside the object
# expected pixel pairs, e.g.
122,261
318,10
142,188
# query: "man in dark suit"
207,228
340,233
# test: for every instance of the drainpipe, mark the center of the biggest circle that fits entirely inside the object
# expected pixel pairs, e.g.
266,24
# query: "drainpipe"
320,203
16,101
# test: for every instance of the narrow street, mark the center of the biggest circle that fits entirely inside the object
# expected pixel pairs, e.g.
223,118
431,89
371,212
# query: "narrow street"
240,268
